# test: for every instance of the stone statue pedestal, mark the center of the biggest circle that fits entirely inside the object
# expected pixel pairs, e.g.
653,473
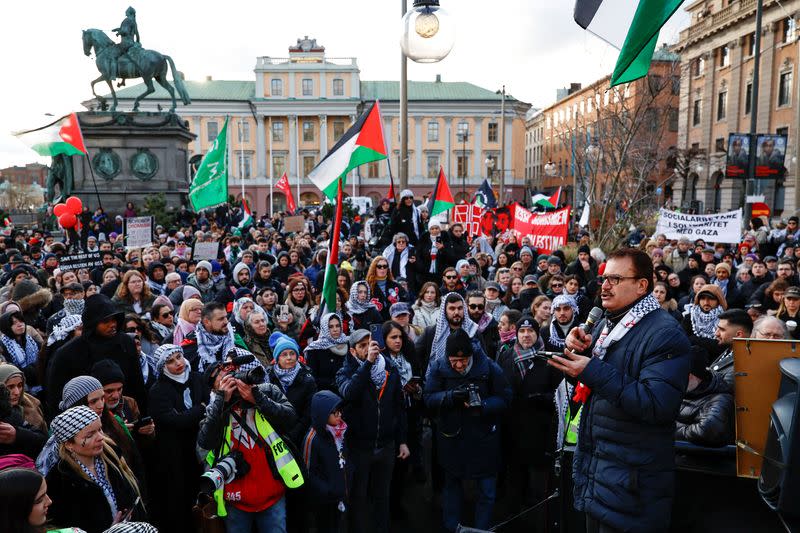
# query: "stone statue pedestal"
133,155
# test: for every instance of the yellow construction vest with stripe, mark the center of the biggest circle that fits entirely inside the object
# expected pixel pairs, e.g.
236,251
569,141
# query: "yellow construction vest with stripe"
572,424
287,467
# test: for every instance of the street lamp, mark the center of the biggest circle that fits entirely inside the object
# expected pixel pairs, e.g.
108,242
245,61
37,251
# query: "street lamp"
428,33
550,169
427,36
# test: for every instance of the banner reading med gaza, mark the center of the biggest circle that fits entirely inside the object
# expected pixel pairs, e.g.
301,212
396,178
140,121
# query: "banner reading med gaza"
721,227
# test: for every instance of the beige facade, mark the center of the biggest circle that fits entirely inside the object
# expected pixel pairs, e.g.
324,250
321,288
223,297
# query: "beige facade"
298,106
717,54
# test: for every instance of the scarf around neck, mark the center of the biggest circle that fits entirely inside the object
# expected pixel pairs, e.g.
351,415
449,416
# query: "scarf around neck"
353,305
704,324
286,376
377,372
439,346
324,340
403,367
210,345
608,336
21,357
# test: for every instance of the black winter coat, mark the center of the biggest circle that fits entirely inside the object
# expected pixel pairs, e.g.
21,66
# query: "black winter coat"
299,395
468,440
394,293
455,248
324,364
624,462
77,357
77,502
706,415
365,319
375,418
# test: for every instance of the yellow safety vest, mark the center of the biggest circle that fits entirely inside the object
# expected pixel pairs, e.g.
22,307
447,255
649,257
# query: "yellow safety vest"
572,424
287,467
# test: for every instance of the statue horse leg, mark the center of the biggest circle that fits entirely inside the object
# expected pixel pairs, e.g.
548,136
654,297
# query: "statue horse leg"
148,81
161,78
100,99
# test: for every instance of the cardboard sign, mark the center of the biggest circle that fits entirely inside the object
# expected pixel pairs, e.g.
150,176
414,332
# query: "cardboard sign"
205,250
138,232
470,216
721,227
294,224
78,261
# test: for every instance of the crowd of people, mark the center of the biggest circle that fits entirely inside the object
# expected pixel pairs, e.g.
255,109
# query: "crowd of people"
130,388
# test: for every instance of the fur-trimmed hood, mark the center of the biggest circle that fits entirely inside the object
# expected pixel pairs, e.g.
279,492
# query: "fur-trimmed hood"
30,295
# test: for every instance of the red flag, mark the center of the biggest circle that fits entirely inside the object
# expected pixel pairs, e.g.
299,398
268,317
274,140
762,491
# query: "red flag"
285,188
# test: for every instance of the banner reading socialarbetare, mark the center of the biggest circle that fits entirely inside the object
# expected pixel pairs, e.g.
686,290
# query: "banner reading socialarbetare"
721,227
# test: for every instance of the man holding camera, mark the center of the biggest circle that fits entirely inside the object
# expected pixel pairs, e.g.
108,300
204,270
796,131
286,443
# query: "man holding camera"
248,419
467,393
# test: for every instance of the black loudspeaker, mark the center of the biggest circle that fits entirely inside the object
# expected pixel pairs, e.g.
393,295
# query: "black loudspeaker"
779,484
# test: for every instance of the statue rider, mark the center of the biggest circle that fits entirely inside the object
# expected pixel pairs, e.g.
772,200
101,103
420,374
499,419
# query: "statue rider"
128,33
60,175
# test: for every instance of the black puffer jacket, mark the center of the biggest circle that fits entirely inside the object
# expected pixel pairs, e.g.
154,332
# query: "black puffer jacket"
299,394
77,357
706,415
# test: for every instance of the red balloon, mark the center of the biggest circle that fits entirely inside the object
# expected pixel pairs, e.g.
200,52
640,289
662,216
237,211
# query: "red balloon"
60,209
68,220
74,205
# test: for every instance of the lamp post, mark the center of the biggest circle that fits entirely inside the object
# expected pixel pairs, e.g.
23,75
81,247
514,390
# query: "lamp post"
427,36
490,164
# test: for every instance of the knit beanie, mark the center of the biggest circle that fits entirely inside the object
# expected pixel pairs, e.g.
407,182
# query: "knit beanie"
107,371
7,371
76,389
284,343
204,264
459,344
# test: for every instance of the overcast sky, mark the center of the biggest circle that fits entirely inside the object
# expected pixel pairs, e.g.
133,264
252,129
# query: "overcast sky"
531,46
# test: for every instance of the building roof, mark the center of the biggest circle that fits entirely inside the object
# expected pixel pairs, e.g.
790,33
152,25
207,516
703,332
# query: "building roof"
663,53
232,90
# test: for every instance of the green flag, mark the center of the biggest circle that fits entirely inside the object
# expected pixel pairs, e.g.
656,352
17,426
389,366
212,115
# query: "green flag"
210,185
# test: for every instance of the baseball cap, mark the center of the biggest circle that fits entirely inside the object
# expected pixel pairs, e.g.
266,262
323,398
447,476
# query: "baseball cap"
792,292
530,278
357,336
492,285
400,308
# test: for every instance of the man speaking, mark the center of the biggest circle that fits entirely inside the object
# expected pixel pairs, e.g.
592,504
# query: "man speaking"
631,382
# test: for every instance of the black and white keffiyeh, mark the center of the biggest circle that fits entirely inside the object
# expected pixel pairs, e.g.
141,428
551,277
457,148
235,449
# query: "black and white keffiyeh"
74,307
354,305
324,339
286,376
21,357
705,324
607,337
70,422
439,346
211,344
65,326
555,330
132,527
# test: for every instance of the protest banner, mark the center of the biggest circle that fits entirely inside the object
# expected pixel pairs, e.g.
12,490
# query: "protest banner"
720,227
78,261
294,224
548,231
138,232
470,216
205,250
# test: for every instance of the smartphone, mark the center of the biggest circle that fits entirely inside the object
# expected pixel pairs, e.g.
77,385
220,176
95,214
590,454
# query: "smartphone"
127,513
142,422
284,312
376,331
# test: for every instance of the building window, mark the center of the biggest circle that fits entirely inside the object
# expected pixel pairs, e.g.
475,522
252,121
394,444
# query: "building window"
463,165
789,26
338,87
308,87
433,131
782,131
672,118
244,132
722,104
277,132
751,45
462,131
697,66
278,166
723,56
748,98
246,161
372,169
308,164
433,166
785,89
696,112
338,129
676,85
212,130
277,87
308,131
656,83
719,145
492,135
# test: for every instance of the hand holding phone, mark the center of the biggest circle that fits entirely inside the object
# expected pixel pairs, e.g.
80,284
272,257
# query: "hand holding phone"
376,331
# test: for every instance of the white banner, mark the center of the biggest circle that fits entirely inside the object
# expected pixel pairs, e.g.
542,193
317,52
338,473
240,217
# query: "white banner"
138,232
205,250
721,227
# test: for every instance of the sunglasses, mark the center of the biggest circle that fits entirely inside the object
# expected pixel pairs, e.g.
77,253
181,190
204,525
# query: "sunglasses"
166,315
132,330
450,277
556,285
382,267
479,307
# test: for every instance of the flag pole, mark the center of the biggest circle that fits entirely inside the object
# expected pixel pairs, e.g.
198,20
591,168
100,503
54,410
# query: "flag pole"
241,155
386,149
94,181
271,177
297,156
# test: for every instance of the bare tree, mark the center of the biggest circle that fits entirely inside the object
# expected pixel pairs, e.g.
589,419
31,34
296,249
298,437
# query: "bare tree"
20,197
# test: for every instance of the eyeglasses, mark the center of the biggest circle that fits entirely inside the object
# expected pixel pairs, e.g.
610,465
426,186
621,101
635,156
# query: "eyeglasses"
166,315
556,285
299,289
479,307
382,267
614,280
450,277
133,330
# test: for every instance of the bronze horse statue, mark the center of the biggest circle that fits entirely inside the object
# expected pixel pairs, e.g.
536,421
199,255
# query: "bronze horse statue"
137,63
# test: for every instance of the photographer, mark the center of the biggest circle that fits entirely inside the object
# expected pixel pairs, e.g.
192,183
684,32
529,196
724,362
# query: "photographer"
240,419
467,393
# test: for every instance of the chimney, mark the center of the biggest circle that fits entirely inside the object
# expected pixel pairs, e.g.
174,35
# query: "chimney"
574,87
208,78
438,78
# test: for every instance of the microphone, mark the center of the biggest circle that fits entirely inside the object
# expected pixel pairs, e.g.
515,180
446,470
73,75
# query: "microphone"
594,316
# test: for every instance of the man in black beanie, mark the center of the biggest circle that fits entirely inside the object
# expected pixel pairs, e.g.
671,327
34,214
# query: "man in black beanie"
469,393
584,267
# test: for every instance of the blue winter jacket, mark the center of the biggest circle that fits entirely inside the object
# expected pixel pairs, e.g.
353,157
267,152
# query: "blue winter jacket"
624,464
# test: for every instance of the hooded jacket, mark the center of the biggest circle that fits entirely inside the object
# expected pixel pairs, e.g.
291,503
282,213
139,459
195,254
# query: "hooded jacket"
77,357
706,415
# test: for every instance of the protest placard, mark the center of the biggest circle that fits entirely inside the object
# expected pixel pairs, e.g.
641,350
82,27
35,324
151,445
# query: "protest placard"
205,250
294,224
138,232
720,227
78,261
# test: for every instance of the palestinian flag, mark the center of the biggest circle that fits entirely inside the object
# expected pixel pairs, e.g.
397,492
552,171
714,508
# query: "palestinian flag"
548,201
247,218
628,26
362,143
329,285
60,137
442,199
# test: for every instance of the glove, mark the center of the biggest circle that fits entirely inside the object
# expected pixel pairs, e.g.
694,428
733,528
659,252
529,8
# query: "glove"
460,395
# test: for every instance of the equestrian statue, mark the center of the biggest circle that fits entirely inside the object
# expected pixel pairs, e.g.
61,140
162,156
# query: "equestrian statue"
128,60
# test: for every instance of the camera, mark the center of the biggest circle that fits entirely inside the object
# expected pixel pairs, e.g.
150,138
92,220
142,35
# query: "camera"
474,396
230,467
250,376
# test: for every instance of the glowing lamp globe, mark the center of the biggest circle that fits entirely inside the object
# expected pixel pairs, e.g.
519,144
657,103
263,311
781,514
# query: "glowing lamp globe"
428,32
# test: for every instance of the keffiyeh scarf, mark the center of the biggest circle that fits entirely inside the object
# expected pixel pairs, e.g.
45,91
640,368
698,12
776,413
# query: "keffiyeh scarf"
555,330
356,307
377,372
439,346
211,344
163,331
403,367
21,357
65,326
704,324
74,307
324,340
101,480
286,376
